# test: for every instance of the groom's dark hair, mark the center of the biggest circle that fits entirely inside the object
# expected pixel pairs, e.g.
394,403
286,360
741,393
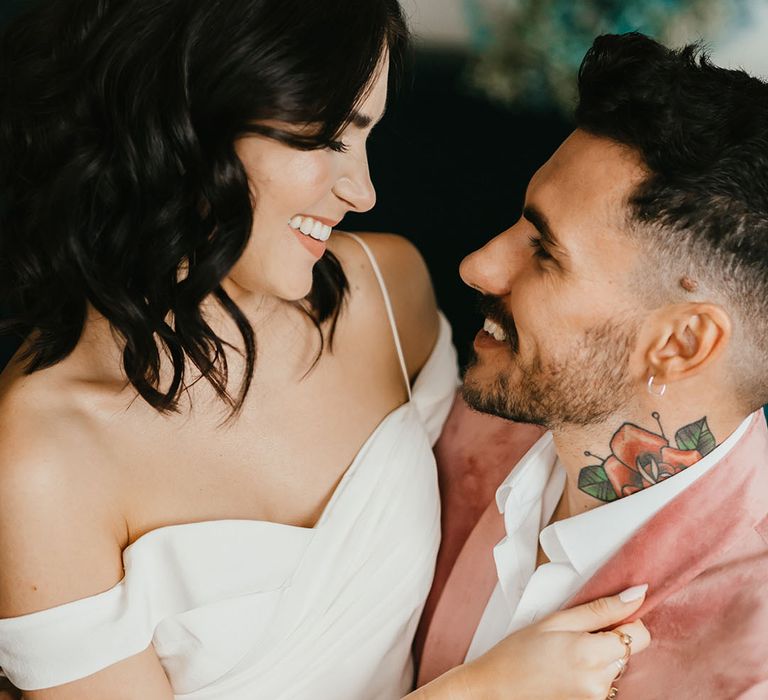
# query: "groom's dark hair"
701,214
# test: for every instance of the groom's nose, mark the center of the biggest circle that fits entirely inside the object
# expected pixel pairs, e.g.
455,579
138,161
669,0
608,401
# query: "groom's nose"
487,269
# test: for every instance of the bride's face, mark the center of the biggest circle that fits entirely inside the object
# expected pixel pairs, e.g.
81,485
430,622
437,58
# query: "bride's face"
299,197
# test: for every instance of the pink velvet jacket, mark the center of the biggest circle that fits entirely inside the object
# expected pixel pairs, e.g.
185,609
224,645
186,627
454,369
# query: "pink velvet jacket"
704,555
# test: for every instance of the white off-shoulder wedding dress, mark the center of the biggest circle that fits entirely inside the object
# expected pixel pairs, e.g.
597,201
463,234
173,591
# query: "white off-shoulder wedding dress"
249,610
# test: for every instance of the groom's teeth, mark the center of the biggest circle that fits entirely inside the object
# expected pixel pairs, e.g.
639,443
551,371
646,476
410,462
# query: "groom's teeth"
493,328
310,227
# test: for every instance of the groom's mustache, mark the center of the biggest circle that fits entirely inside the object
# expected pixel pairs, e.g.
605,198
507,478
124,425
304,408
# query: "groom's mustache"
492,307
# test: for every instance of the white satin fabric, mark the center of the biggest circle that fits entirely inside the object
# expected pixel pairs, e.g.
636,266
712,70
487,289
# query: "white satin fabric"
244,610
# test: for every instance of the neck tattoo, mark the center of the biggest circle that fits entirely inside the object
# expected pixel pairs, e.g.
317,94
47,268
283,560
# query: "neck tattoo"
641,458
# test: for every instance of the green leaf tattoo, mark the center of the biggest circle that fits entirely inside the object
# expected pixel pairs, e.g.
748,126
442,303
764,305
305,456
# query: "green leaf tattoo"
696,436
594,481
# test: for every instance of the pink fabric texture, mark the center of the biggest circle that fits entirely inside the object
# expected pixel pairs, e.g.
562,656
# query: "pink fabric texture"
474,454
705,557
462,598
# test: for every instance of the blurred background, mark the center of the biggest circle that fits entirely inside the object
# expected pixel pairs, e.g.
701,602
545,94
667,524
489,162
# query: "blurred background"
487,100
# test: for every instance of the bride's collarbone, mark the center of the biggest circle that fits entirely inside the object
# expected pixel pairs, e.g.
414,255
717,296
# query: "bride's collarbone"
280,460
282,455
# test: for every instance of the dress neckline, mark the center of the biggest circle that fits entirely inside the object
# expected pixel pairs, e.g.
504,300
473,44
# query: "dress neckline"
162,530
298,530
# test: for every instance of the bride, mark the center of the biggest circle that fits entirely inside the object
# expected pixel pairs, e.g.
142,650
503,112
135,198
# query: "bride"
216,477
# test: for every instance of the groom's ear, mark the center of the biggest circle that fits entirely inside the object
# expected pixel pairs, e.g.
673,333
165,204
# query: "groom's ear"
686,339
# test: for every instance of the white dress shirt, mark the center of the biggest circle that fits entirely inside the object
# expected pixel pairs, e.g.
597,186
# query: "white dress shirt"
576,547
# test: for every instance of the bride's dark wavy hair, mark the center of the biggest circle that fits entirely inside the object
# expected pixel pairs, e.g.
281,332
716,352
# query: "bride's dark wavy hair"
118,120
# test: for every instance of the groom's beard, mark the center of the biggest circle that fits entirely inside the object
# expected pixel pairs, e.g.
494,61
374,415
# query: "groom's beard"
582,384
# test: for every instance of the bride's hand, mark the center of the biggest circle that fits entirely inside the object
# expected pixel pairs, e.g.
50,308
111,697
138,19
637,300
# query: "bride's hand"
558,658
561,656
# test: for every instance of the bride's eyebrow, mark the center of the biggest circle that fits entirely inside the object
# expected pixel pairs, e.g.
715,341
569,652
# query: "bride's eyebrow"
362,121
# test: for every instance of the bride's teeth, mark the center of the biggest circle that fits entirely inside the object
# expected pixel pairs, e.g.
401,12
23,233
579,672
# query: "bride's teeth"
310,227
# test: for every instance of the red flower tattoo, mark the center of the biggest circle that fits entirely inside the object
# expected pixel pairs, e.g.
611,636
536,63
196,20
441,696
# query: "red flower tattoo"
641,458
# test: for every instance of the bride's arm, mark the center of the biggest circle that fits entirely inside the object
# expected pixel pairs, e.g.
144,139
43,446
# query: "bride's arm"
558,658
59,542
409,286
8,691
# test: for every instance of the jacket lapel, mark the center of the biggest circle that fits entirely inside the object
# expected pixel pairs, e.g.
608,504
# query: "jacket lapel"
474,455
463,600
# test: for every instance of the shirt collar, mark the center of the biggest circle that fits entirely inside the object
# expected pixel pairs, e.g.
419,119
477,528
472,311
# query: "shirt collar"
522,498
528,478
589,539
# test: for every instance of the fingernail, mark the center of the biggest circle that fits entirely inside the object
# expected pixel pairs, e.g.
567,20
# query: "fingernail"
632,594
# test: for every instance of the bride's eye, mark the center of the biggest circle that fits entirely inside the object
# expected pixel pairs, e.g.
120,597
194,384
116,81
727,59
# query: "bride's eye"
338,146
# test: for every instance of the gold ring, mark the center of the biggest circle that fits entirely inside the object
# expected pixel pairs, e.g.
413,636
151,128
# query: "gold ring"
626,640
622,667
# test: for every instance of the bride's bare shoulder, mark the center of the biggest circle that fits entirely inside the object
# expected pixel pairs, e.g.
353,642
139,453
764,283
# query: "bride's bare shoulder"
408,283
59,537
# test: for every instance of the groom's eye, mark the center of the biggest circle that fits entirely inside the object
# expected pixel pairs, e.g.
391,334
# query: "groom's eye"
539,250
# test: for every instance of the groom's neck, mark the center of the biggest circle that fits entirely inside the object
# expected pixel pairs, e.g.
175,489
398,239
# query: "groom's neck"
627,454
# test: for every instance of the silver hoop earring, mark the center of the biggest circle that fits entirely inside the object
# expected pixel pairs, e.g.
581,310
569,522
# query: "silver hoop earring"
656,392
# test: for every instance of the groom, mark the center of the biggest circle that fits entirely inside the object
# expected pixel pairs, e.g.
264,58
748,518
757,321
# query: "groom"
626,312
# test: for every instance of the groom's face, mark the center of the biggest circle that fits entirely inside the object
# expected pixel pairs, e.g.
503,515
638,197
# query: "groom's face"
560,286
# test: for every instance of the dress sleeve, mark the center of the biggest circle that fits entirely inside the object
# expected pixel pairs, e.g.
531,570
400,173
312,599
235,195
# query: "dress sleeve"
435,388
170,571
72,641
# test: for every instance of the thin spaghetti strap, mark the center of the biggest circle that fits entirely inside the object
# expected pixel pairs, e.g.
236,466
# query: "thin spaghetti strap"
388,304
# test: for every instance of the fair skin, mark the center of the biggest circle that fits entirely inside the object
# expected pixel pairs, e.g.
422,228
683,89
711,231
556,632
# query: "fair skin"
580,325
70,460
